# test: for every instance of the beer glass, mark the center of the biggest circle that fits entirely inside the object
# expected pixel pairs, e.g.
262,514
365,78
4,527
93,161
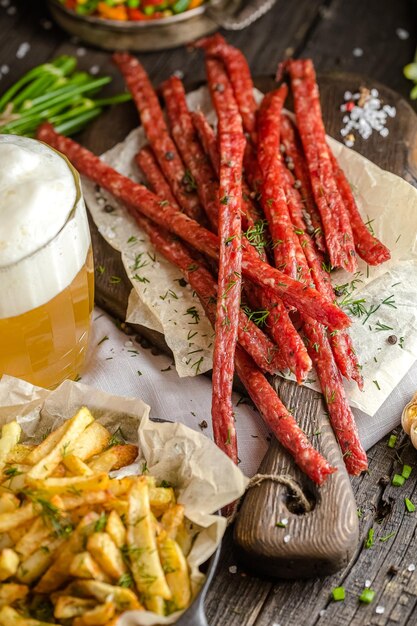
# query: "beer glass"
46,264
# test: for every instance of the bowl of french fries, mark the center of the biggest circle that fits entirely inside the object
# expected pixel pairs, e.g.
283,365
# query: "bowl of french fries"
90,531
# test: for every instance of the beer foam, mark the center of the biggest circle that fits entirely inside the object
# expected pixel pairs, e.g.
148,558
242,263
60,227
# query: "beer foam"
43,240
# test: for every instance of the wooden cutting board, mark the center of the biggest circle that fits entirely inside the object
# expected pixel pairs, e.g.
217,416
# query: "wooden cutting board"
324,540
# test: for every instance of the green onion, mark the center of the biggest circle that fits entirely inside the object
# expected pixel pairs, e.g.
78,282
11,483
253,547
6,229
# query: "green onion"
409,505
369,541
338,594
180,6
367,596
397,480
383,539
392,441
54,92
407,469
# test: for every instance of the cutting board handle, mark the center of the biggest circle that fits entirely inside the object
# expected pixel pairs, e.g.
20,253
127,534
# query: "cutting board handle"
273,534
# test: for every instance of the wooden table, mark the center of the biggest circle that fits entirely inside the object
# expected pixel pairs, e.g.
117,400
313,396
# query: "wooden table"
328,31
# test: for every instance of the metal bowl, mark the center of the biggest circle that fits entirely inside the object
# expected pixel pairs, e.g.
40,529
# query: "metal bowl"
158,34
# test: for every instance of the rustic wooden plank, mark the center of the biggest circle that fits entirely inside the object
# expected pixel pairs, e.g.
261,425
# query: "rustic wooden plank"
370,26
292,603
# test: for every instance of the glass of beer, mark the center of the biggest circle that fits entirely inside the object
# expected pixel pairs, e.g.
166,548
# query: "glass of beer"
46,264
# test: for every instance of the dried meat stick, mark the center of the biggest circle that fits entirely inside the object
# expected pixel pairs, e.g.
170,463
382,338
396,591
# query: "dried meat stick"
157,133
273,198
251,338
341,341
369,248
239,75
147,163
337,229
207,138
280,421
231,146
279,324
138,198
282,331
296,160
184,135
319,349
251,217
340,413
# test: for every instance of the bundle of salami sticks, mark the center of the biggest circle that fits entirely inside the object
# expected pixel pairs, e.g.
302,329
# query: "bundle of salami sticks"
254,215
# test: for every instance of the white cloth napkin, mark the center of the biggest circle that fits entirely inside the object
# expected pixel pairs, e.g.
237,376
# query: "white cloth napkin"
116,363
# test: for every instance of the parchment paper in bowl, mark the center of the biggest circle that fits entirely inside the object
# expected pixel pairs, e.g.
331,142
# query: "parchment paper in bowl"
204,477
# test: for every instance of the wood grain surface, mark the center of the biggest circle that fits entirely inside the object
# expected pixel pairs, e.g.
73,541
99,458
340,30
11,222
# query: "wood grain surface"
328,31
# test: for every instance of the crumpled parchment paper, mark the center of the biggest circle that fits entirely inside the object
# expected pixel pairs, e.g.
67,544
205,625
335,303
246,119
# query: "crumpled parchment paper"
204,477
389,292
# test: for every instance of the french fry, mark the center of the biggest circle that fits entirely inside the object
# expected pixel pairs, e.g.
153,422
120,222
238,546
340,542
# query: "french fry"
156,604
96,482
70,503
124,599
116,529
68,606
76,466
10,435
38,562
8,502
58,572
13,477
114,458
19,454
74,428
103,549
9,562
17,533
176,570
143,554
50,442
160,499
172,519
84,566
10,617
11,520
5,541
11,592
99,616
184,539
121,486
92,441
32,539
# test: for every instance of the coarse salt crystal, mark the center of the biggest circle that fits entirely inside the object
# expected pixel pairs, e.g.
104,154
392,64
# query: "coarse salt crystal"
4,69
46,24
179,74
367,583
284,521
384,132
128,344
349,143
11,11
374,93
380,609
411,567
287,538
322,612
357,52
5,3
347,95
81,52
95,69
233,569
22,50
402,33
